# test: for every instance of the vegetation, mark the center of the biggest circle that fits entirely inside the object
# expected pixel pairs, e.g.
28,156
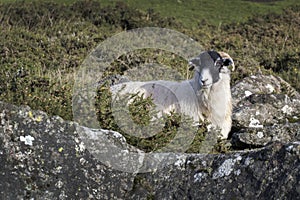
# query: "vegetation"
42,44
190,12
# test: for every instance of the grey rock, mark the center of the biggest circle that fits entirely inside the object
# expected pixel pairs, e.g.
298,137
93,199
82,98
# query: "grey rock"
260,174
56,164
266,109
261,84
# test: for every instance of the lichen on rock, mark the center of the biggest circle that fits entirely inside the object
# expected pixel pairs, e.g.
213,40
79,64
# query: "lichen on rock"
270,112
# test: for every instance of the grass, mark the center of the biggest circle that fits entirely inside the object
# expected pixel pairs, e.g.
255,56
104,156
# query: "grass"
42,45
217,12
191,12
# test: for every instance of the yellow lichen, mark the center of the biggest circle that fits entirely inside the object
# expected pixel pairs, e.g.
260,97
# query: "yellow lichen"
60,149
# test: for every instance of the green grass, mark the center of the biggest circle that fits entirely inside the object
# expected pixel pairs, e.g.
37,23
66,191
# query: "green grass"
216,12
191,12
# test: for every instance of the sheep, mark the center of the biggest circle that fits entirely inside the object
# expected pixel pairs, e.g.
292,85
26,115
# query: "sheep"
206,96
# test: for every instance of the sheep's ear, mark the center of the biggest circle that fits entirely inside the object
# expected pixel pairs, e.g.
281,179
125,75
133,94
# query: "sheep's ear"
229,62
191,67
193,63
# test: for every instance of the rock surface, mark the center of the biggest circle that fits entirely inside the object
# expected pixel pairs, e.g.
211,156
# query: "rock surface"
266,109
46,157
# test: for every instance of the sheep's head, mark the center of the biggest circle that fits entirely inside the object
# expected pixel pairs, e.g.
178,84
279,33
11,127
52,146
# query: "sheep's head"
210,65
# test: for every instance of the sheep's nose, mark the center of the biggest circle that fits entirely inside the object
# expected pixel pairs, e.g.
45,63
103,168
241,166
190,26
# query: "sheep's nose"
203,81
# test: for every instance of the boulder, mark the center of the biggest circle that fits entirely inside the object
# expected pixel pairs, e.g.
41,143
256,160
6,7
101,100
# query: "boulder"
266,109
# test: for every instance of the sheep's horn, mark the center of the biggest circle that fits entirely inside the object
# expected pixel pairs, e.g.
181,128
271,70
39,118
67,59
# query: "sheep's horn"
227,56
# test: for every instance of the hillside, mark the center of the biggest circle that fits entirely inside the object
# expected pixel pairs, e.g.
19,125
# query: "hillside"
42,45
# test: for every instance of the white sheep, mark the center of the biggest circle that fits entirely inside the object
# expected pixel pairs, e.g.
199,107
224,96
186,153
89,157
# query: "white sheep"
206,96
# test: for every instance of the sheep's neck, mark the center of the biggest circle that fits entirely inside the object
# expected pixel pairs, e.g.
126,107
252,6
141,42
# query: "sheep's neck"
219,97
214,99
203,100
195,82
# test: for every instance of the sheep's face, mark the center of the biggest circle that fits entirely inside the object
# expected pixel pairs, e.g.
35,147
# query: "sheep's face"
208,65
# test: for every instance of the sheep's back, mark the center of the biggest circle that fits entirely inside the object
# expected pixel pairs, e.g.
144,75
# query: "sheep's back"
168,96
